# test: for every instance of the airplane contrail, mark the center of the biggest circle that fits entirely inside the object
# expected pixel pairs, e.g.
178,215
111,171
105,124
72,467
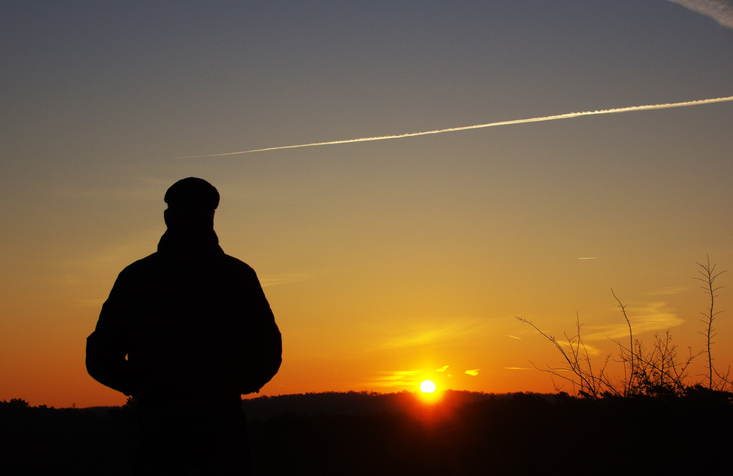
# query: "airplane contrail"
569,115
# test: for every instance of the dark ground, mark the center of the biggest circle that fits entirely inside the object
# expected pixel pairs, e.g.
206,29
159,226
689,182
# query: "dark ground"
396,434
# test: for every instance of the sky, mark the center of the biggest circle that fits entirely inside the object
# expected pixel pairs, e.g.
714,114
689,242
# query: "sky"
385,262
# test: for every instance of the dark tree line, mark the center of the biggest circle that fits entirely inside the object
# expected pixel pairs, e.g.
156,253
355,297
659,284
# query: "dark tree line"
395,434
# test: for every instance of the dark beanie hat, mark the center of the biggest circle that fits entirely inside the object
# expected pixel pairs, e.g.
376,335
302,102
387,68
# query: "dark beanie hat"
192,192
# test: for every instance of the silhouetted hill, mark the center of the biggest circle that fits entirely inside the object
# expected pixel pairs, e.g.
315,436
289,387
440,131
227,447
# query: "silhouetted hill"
352,403
396,434
46,441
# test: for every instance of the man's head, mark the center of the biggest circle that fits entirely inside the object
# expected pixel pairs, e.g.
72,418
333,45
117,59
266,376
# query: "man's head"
191,204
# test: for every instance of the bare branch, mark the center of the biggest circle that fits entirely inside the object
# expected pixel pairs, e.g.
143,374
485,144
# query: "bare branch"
656,371
708,277
630,382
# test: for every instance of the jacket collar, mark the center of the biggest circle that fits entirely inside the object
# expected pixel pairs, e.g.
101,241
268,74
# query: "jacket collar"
198,242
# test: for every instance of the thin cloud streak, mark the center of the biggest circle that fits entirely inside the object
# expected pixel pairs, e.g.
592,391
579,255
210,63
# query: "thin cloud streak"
396,378
434,335
478,126
286,278
669,291
585,346
719,10
651,317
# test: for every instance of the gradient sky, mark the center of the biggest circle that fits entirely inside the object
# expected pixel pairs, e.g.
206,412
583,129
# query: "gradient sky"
385,262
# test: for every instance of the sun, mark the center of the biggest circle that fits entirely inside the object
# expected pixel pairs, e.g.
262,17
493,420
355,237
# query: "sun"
427,386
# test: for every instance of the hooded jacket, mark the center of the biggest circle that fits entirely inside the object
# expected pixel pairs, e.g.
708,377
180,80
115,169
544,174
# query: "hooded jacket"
187,322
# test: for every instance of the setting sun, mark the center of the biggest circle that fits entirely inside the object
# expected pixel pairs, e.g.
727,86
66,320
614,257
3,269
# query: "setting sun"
427,386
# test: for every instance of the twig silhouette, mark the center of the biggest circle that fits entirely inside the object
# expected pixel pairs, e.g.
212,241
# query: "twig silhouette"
655,372
708,277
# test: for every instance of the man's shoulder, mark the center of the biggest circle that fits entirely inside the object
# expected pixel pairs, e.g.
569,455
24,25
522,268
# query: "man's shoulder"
146,266
142,265
237,264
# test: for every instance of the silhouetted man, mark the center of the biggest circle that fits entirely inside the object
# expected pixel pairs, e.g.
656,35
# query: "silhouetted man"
187,331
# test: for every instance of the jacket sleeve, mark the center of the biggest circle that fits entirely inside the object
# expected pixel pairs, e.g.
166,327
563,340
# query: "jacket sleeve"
107,346
265,344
